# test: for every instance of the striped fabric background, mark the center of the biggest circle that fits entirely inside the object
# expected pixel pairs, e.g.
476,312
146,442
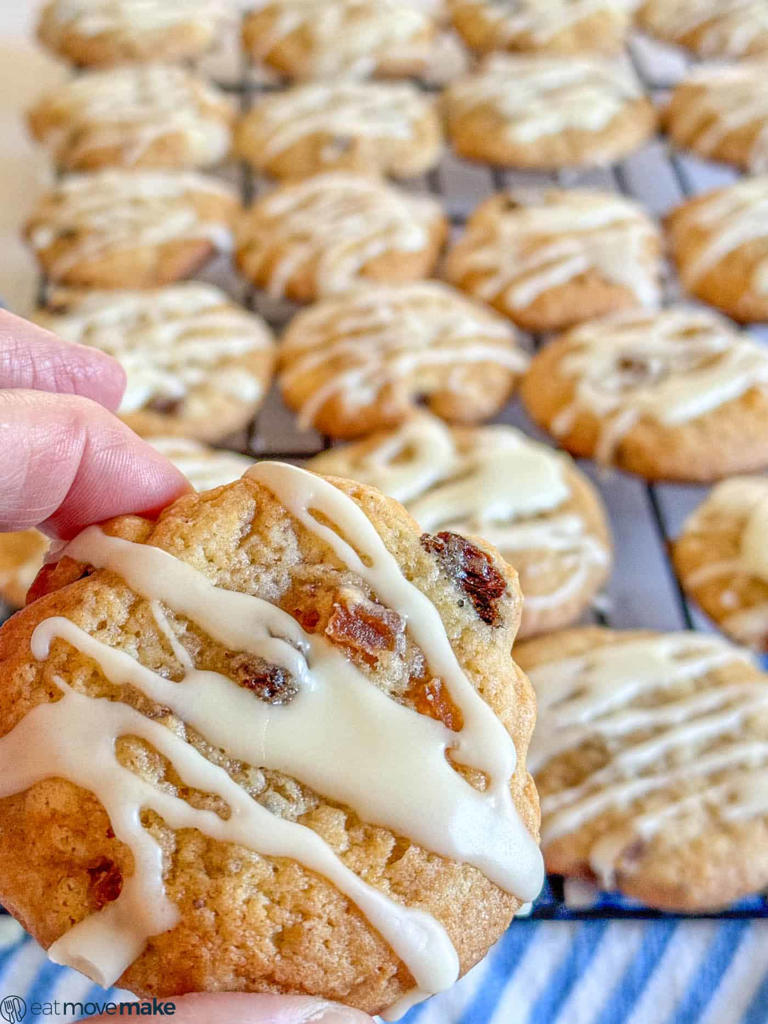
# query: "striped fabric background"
541,972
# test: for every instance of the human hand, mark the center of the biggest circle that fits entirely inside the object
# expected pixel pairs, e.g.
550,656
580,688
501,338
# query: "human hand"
67,462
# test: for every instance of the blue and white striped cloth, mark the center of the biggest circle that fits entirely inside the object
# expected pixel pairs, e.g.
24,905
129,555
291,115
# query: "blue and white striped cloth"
541,972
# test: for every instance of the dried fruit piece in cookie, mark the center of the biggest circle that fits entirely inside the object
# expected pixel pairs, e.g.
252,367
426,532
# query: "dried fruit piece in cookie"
320,236
130,229
722,560
548,112
260,746
677,395
711,28
371,127
549,259
147,115
544,26
324,39
530,502
363,360
720,243
650,758
103,32
197,364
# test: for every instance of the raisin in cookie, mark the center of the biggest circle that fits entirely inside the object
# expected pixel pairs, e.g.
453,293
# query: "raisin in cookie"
678,395
22,554
720,243
721,112
650,759
273,741
363,360
711,28
147,115
548,112
553,258
531,503
370,127
103,32
322,39
197,365
722,562
130,229
321,236
544,26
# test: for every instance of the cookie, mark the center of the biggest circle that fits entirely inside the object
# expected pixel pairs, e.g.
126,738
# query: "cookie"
146,115
677,395
543,26
309,774
711,28
22,554
721,112
321,236
325,39
548,112
130,229
197,365
389,128
104,32
720,243
364,360
649,757
531,503
721,560
549,259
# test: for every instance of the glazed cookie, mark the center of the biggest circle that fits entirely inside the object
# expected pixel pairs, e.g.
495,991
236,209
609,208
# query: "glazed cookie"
364,360
722,562
548,112
321,236
22,554
721,112
544,26
551,259
323,39
720,243
711,28
371,127
148,115
197,365
678,395
650,759
309,772
103,32
531,503
130,229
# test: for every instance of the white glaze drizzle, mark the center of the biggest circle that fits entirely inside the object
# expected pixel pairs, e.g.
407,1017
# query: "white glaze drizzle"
500,486
129,18
337,223
674,736
133,107
380,335
542,20
540,96
170,341
113,210
672,367
553,237
348,37
728,218
730,26
402,778
342,109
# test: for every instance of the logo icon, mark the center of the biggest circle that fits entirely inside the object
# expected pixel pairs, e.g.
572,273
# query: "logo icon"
13,1009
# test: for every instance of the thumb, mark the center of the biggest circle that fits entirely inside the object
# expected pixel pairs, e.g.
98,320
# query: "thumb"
238,1008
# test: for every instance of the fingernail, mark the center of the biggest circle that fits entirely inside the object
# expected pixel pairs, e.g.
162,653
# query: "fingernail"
334,1013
